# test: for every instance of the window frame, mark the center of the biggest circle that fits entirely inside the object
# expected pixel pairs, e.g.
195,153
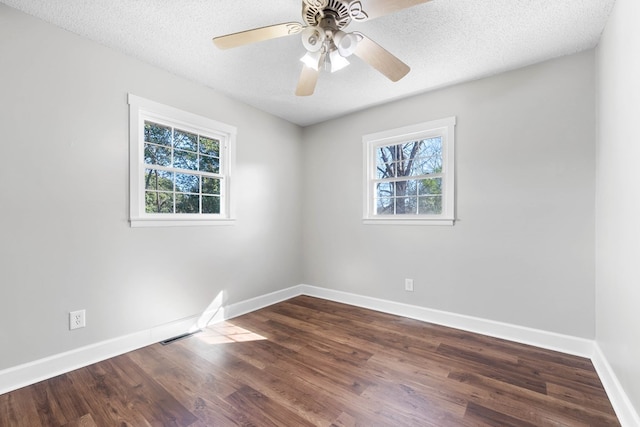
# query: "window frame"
444,128
141,110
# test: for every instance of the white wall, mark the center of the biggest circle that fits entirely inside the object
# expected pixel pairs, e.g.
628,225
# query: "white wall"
618,197
522,250
65,243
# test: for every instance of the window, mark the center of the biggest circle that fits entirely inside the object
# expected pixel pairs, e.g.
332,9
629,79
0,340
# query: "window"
180,167
409,174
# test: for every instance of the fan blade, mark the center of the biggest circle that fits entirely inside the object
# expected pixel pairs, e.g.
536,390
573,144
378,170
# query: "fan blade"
257,35
371,9
307,82
380,59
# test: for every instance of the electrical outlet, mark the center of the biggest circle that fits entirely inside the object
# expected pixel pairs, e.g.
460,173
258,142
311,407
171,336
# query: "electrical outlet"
77,319
408,285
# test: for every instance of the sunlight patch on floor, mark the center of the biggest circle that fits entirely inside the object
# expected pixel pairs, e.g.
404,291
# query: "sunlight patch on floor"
226,332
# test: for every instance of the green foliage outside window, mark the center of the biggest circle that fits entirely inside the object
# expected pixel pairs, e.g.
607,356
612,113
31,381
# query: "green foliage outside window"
192,185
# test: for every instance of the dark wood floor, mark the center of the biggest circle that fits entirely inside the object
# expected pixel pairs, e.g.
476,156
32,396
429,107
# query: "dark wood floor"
311,362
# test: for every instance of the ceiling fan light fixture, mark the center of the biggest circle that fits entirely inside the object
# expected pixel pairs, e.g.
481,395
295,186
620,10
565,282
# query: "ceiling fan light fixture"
345,42
336,61
313,38
326,44
311,59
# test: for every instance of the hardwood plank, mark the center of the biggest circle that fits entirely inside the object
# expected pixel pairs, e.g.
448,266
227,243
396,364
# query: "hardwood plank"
18,408
592,397
313,362
146,396
101,392
251,401
505,372
70,401
196,383
84,421
296,396
486,417
528,405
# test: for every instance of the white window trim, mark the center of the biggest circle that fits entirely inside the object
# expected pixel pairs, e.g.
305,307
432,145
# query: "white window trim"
444,128
141,109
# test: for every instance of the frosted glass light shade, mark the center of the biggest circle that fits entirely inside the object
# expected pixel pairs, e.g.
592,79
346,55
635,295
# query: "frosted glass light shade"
313,38
311,59
345,42
338,62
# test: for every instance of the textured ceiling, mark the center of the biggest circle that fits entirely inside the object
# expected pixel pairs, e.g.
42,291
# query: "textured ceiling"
444,42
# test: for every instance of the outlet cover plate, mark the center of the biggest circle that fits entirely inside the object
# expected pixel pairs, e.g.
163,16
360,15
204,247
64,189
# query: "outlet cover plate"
77,319
408,285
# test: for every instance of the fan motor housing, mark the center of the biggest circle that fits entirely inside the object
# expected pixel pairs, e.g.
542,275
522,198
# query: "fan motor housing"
336,9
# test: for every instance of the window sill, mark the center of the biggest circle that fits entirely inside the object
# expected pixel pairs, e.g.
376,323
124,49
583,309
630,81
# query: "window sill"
408,221
172,222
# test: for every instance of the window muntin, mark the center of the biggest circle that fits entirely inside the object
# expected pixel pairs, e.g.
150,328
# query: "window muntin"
180,166
409,174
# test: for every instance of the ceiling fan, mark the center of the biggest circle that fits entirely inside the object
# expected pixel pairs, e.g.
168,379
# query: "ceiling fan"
326,43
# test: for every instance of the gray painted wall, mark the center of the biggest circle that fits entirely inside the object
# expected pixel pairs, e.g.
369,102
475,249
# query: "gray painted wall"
522,250
65,243
617,201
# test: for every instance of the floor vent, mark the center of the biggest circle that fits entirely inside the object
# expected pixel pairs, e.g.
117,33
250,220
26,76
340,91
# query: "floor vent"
179,337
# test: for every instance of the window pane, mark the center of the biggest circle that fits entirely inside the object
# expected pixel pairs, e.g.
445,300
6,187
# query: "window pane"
384,189
187,203
384,206
186,183
402,168
184,159
430,205
211,204
157,155
210,147
158,180
406,205
431,147
210,185
209,164
185,140
409,150
386,170
158,202
385,157
406,152
401,188
386,154
430,186
157,134
406,188
426,166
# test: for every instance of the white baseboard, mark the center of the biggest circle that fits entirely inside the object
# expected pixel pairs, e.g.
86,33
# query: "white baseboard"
544,339
33,372
49,367
627,415
30,373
